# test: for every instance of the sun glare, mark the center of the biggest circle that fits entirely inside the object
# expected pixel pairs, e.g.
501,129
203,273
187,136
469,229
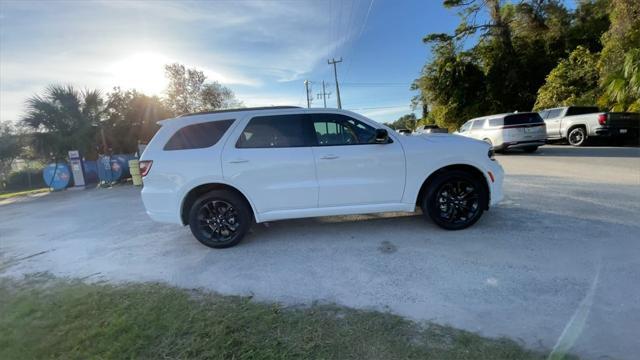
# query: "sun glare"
141,71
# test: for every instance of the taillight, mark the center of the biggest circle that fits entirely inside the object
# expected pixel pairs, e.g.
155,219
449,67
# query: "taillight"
602,119
145,166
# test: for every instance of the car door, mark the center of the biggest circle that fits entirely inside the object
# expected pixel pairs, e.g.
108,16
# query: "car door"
552,121
351,168
270,159
464,129
477,129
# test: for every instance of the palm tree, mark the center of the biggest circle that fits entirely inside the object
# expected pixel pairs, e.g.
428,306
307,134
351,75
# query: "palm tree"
622,89
64,119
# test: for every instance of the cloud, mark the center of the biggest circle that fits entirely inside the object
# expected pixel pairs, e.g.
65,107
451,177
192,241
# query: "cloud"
243,43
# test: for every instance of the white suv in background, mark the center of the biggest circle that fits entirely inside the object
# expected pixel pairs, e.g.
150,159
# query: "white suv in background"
526,131
218,172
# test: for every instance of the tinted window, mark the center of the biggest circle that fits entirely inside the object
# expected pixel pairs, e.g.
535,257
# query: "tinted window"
580,110
275,131
198,136
336,129
554,113
523,118
544,114
466,126
478,124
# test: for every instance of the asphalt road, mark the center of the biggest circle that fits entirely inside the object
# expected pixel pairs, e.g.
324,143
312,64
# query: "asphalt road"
559,258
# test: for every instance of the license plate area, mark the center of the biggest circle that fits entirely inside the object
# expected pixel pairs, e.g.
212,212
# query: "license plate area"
623,131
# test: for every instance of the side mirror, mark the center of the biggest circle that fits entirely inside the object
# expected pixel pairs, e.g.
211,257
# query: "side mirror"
382,137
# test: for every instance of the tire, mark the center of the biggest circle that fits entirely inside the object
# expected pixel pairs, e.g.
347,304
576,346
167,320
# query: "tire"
530,149
220,219
445,197
577,136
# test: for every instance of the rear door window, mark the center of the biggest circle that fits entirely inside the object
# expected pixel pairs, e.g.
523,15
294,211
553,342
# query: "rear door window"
581,110
198,136
276,131
553,113
496,122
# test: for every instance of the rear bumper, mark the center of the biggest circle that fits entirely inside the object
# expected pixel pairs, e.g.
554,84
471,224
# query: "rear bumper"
520,144
607,131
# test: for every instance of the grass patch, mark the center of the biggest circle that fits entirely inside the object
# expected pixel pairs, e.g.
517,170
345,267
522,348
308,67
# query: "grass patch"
8,195
49,318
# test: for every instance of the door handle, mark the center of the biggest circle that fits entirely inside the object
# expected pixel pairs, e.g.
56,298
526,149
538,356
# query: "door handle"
329,157
238,161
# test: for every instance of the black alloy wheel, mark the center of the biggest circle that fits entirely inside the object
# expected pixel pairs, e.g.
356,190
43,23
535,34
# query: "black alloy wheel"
456,200
219,219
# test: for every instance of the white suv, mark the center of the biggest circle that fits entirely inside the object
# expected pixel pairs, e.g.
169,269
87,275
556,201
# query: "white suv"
220,171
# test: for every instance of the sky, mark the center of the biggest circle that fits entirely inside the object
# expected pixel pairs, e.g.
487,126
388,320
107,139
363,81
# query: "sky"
262,50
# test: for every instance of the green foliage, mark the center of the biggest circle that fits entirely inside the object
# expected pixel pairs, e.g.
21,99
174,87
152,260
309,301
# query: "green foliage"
63,118
619,68
407,121
132,119
11,146
573,82
189,92
451,85
519,44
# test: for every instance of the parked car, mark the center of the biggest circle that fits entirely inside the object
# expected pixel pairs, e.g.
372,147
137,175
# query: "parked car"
430,129
220,171
578,123
403,131
524,131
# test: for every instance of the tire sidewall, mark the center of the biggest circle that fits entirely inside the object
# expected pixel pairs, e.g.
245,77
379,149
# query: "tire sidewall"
584,136
429,203
239,205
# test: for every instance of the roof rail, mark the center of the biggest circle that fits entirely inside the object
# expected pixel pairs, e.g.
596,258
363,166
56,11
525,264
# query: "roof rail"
239,109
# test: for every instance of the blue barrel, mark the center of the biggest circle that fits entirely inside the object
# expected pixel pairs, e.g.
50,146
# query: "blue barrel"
90,168
109,169
123,161
56,177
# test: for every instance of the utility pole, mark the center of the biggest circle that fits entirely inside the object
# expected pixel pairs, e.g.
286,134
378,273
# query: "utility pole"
335,75
306,88
324,94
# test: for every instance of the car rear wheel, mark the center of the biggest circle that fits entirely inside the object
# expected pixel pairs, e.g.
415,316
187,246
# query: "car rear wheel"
577,136
219,219
455,200
530,149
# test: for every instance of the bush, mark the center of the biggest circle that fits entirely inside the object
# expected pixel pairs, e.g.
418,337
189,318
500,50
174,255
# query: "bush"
26,179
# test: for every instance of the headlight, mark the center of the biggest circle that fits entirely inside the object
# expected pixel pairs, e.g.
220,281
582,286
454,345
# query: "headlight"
490,154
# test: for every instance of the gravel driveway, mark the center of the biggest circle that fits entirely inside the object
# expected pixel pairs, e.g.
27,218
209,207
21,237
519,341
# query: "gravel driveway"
560,257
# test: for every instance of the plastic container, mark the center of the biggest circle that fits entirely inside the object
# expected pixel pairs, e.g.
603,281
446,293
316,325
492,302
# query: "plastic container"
57,176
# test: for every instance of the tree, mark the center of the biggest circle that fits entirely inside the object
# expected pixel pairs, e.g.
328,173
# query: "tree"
189,92
452,84
408,121
131,119
619,69
573,82
62,119
10,146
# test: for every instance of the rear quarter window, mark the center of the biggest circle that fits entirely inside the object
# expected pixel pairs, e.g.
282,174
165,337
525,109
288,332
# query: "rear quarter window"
198,136
524,118
581,110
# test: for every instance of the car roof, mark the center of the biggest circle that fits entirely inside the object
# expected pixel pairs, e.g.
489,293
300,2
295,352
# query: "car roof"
239,110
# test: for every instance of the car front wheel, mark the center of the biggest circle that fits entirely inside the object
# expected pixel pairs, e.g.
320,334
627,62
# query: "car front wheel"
219,219
455,200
